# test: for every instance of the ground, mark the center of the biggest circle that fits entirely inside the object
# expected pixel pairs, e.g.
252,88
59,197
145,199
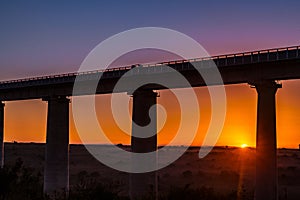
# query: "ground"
226,170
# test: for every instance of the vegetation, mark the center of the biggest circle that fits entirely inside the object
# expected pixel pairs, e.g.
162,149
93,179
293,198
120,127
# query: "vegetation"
203,193
20,182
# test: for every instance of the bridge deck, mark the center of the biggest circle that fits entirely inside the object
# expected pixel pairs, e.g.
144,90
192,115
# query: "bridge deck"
247,67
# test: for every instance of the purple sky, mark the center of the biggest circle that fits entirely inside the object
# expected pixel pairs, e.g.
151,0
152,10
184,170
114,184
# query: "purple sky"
39,37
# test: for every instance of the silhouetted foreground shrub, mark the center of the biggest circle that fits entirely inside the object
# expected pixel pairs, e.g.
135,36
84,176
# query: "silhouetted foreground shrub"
21,183
93,192
203,193
89,188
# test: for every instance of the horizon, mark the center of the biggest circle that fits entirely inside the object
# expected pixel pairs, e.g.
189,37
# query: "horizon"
190,146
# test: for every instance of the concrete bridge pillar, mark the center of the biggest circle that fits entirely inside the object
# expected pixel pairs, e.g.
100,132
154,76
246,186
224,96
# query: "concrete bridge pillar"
266,144
1,134
144,184
56,176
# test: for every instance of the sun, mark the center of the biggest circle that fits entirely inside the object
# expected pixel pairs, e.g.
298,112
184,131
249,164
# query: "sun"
244,146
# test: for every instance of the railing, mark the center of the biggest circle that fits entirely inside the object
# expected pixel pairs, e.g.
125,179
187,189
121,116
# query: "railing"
221,60
266,55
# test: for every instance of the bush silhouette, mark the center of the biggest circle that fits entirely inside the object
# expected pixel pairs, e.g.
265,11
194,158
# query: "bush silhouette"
203,193
19,182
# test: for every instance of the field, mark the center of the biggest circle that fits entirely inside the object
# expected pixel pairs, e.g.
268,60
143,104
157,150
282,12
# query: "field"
225,171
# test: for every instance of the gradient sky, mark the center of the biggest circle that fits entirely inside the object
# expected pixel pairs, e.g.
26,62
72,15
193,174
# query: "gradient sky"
39,38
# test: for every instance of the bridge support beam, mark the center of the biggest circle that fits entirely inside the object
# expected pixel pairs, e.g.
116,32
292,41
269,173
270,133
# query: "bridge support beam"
266,144
1,134
144,140
56,176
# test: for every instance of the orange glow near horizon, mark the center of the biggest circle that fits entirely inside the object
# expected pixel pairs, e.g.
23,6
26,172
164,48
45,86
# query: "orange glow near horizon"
25,121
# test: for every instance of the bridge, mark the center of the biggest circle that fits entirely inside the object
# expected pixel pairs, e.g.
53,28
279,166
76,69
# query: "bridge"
261,69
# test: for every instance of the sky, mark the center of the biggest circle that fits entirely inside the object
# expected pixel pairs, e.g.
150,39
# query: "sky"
50,37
